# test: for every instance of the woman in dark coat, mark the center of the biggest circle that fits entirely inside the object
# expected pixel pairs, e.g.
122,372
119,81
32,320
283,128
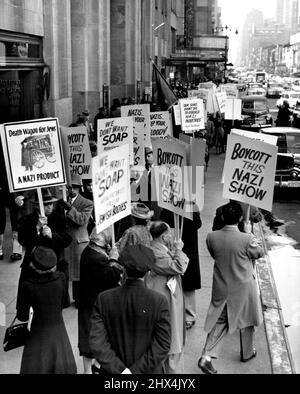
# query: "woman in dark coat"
191,280
48,349
98,272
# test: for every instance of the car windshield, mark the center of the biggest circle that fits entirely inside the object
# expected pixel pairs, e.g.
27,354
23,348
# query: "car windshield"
275,85
255,105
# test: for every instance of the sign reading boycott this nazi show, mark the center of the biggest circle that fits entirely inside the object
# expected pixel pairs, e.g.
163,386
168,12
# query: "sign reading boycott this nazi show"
249,171
115,132
111,188
33,154
172,176
77,151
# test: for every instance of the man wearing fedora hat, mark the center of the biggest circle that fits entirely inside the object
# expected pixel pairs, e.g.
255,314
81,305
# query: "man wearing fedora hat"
130,325
78,211
36,230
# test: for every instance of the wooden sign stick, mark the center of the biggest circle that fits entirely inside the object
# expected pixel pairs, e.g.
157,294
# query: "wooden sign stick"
41,203
113,236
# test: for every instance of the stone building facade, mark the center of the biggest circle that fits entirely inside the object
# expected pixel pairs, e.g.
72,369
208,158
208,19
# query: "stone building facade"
58,57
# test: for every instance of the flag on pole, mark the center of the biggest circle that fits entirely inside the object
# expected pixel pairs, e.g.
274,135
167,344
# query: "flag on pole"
163,94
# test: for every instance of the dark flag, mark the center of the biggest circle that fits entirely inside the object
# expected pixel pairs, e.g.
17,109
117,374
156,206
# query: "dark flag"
163,94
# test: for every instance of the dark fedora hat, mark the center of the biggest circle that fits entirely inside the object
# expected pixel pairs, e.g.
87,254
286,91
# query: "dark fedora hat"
137,260
47,197
43,258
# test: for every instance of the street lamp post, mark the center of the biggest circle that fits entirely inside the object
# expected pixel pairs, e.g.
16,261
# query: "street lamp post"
226,29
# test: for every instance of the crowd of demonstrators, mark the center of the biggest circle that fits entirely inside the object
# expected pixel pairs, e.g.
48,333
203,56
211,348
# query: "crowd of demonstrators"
135,299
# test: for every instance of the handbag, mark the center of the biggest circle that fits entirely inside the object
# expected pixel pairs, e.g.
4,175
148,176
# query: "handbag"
15,336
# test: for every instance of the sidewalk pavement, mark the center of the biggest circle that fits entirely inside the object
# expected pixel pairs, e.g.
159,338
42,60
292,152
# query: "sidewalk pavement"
229,361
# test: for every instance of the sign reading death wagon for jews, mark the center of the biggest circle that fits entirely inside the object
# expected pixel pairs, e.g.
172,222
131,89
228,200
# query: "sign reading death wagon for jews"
33,154
172,176
111,188
249,171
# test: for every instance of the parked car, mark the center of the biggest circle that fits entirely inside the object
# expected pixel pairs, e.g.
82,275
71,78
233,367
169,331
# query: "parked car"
256,89
255,113
288,160
274,89
292,97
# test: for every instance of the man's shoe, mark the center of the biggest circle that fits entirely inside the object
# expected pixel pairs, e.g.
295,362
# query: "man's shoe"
206,366
276,223
254,354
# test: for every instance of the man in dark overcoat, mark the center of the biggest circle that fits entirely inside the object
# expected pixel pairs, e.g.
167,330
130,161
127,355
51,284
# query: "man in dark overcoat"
235,303
130,325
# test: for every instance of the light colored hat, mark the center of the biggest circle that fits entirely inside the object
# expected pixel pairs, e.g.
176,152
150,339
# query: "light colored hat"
76,180
101,239
141,211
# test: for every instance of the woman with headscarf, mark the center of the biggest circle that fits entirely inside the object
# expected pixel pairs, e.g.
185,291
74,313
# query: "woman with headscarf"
138,233
99,271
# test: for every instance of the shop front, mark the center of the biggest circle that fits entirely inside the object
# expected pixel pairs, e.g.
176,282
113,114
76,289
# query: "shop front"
21,77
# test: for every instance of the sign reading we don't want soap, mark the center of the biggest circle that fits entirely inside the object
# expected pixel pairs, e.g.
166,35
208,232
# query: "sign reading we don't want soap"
33,154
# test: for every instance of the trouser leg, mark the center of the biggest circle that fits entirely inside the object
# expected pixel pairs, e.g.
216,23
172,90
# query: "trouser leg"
246,342
174,364
75,290
190,305
214,338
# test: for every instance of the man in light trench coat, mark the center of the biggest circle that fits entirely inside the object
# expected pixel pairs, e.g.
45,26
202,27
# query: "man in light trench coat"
235,300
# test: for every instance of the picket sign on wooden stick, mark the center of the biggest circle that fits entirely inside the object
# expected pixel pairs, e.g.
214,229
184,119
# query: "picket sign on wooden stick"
247,218
64,192
41,203
113,237
181,228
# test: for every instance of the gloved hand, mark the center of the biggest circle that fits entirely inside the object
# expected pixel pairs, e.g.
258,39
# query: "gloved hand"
42,221
67,206
19,201
178,245
47,232
114,254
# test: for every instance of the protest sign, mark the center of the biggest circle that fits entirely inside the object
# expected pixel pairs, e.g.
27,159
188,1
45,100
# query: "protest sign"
141,129
160,125
177,114
116,132
196,165
249,171
192,114
111,188
171,177
221,99
233,109
202,94
77,152
230,90
33,154
268,138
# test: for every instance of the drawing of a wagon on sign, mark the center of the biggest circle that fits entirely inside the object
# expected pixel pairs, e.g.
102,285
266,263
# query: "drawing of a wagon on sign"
36,150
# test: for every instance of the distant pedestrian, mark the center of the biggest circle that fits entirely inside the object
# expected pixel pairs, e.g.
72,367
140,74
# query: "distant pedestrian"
130,325
219,130
48,349
235,303
116,108
100,115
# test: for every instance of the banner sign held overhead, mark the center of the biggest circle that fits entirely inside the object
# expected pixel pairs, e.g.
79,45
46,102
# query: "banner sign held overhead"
171,176
160,125
249,171
192,114
141,129
33,154
111,187
77,152
115,132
